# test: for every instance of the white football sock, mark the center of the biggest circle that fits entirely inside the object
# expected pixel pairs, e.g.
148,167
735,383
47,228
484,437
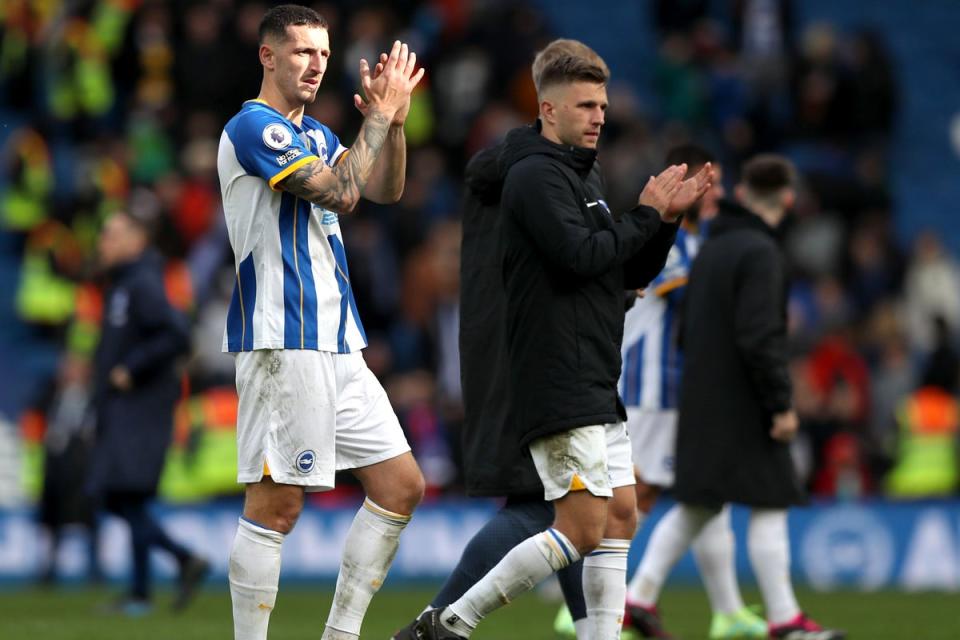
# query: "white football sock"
520,570
714,551
605,587
769,549
367,555
253,574
582,627
668,542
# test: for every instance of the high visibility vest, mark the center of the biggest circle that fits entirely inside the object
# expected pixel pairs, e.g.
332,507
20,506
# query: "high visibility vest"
926,454
202,463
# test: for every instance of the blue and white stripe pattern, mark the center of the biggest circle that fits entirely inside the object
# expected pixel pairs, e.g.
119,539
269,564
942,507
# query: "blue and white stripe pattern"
611,547
652,362
293,288
556,549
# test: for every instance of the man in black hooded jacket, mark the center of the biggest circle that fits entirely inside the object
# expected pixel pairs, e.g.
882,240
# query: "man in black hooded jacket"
495,465
736,417
566,264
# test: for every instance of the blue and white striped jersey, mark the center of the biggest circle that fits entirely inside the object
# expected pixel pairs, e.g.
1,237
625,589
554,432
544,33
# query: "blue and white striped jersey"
293,287
652,363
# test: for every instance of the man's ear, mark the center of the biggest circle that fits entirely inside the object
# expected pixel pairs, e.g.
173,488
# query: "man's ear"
548,112
789,198
267,57
739,193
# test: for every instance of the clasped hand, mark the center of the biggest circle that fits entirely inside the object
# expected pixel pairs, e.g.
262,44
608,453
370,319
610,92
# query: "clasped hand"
671,195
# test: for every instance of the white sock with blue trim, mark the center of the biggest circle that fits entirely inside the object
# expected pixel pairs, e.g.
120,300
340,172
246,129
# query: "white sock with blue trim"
371,545
254,573
605,587
520,570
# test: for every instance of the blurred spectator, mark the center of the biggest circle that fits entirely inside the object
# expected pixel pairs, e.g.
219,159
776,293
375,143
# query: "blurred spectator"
135,387
875,265
927,463
833,404
931,289
204,66
68,439
892,379
679,15
874,85
763,36
821,93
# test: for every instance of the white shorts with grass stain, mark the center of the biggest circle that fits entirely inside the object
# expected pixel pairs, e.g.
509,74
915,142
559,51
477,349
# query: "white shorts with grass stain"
304,415
594,459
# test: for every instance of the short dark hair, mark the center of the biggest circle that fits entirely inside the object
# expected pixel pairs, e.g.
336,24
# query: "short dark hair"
144,222
768,173
692,155
275,21
573,68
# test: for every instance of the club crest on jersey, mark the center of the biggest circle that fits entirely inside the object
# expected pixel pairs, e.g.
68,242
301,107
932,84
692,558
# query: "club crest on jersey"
277,136
306,461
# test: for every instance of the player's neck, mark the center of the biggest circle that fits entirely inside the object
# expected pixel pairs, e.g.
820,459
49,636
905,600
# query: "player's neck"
292,111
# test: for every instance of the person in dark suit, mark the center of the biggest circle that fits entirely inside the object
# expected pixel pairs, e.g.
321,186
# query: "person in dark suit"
736,416
136,386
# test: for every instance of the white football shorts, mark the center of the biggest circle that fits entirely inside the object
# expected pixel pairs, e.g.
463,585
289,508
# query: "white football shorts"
653,435
305,414
594,458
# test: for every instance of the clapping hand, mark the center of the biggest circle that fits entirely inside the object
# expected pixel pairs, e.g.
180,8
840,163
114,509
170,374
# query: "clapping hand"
671,195
691,190
662,189
389,85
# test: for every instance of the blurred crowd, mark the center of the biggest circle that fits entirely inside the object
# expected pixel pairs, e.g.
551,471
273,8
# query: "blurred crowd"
119,104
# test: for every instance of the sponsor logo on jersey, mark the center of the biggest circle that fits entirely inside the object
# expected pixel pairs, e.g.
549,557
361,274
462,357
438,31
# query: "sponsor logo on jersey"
329,217
277,136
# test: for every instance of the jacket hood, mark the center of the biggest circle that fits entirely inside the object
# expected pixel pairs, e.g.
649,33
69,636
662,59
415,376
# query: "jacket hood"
527,141
733,216
484,176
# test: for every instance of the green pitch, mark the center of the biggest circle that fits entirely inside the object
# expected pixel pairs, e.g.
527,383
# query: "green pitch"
71,614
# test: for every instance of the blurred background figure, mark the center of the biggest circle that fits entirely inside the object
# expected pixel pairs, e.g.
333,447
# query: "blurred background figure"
68,419
926,462
136,384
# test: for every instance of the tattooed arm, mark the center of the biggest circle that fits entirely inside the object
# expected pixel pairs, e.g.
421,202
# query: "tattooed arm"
385,185
388,89
339,188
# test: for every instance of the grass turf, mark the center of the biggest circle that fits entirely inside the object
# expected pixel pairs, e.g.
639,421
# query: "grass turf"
71,614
